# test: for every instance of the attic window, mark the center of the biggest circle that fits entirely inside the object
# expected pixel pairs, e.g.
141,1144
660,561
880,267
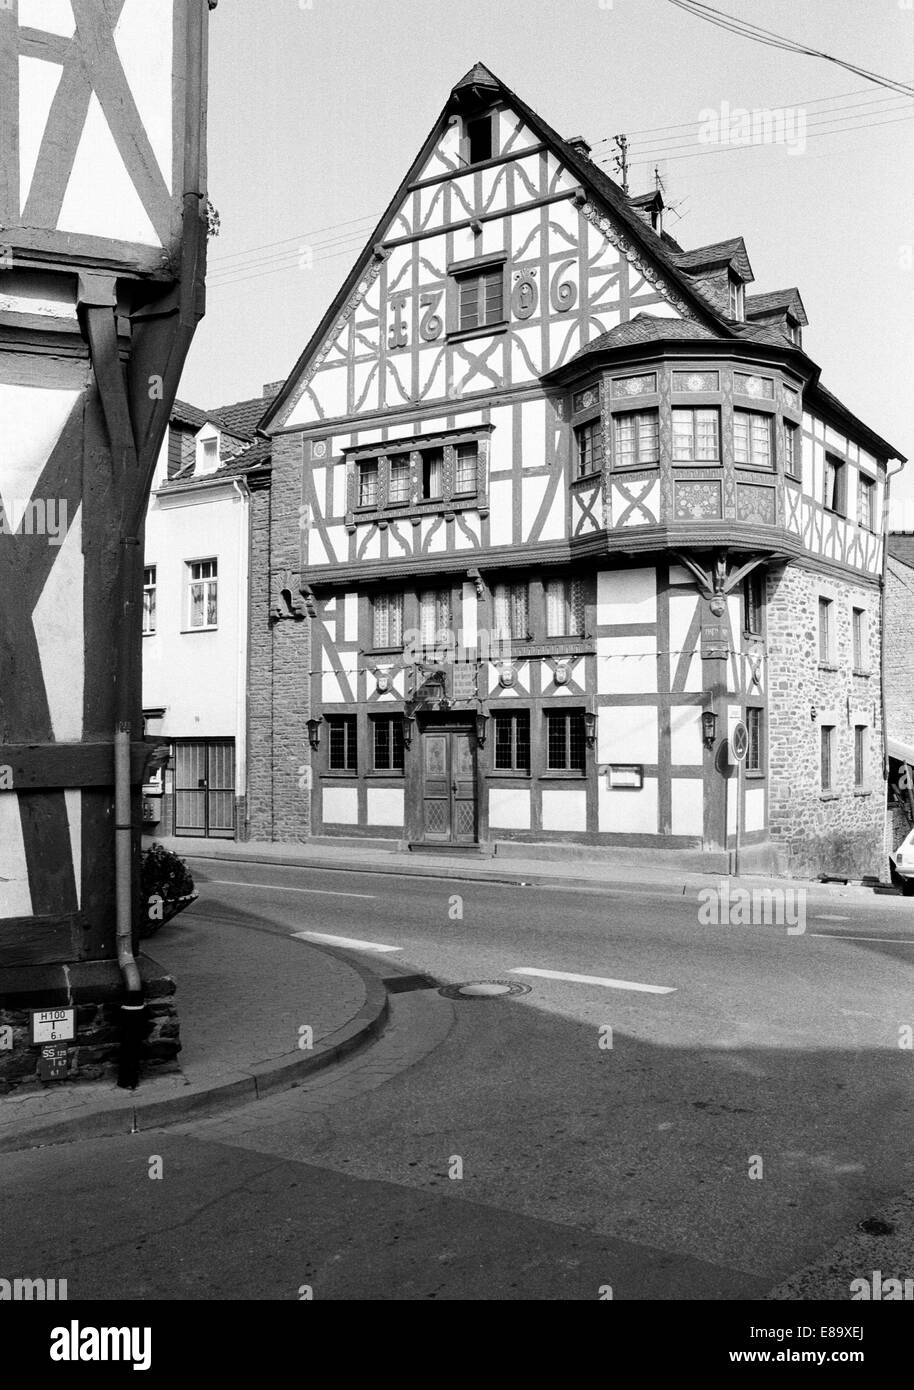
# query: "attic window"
479,139
737,299
793,331
210,450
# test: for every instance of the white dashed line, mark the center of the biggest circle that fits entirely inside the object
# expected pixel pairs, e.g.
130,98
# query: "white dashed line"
594,980
285,888
347,941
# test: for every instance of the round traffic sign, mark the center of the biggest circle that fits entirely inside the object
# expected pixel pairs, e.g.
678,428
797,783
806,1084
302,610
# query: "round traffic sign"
739,742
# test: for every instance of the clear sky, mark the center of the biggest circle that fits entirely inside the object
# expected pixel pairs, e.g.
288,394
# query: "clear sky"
317,109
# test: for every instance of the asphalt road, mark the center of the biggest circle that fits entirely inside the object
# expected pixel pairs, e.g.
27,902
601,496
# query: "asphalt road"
703,1142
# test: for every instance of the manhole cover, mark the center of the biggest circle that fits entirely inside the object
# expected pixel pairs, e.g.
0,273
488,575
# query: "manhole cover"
484,989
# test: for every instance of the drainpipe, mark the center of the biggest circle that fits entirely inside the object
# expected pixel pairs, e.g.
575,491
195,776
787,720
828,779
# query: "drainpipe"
133,1008
886,845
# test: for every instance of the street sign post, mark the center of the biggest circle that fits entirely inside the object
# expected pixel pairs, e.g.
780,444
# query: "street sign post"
739,746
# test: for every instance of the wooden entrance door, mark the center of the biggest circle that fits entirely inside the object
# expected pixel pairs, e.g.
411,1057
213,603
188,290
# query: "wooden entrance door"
205,789
448,786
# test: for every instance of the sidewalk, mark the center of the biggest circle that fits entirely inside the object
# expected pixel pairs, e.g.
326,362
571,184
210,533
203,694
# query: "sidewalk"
243,996
646,871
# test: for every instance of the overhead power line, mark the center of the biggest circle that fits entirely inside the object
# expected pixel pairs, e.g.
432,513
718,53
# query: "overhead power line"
757,34
805,104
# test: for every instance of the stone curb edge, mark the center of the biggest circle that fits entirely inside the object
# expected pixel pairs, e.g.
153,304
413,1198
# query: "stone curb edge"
237,1088
674,887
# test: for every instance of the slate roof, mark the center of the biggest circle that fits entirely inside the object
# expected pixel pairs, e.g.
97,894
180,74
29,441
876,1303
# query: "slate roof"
241,418
184,414
777,300
901,547
718,253
645,328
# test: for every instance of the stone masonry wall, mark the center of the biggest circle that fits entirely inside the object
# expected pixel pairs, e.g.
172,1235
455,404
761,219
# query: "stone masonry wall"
899,648
279,680
841,832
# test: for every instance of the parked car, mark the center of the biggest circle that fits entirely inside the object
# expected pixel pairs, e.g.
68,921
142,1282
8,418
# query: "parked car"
903,864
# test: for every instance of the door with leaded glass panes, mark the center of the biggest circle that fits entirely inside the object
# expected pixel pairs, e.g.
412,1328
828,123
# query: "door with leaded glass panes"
448,786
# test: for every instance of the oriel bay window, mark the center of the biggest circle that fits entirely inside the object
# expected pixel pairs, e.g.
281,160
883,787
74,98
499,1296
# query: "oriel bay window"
637,438
752,434
342,754
387,742
387,620
566,743
696,435
512,742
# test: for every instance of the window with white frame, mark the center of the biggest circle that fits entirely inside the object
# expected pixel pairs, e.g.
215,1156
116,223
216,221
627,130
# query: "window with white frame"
149,600
368,483
737,298
203,583
696,435
387,620
465,463
564,607
637,438
791,449
835,471
752,438
398,488
589,444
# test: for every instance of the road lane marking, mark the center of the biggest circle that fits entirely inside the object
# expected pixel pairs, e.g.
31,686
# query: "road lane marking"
284,888
844,936
593,980
348,941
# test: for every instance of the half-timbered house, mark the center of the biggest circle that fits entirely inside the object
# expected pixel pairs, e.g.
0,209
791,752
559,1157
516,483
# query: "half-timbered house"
565,504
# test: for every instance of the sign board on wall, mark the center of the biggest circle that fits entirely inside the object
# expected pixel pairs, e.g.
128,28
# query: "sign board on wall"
52,1026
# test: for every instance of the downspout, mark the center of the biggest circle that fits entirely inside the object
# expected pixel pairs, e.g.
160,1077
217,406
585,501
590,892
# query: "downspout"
886,846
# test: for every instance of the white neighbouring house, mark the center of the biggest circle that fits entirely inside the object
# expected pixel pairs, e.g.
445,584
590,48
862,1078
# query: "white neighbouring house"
195,618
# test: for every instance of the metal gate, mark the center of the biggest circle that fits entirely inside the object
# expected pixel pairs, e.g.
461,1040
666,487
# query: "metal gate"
205,789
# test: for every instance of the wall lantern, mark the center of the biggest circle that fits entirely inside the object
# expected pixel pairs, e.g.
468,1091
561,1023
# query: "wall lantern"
482,724
314,732
590,727
708,727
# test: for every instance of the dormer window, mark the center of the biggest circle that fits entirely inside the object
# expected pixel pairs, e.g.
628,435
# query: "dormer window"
794,332
737,299
208,451
479,139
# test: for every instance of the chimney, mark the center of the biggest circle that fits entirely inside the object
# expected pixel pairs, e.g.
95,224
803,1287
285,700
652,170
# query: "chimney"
578,143
272,389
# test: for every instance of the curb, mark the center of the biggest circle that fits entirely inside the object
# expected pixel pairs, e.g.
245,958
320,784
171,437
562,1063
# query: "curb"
235,1089
469,873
